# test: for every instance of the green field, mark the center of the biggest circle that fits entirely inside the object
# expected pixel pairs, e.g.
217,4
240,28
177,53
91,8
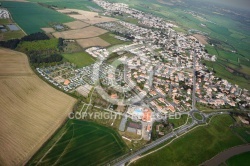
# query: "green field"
178,122
75,4
241,159
244,132
80,143
197,146
109,37
197,116
80,59
31,17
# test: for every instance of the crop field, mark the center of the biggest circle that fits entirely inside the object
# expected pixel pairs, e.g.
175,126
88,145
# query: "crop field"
26,15
192,148
80,59
48,30
80,143
76,24
86,16
90,42
31,110
76,4
87,32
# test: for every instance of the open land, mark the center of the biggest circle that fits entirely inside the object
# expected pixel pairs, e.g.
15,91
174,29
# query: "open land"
87,32
201,38
76,24
48,30
29,103
81,59
86,16
95,41
20,15
81,142
195,151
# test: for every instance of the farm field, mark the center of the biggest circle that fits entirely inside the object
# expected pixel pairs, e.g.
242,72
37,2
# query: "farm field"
21,12
80,59
31,110
48,30
80,143
87,32
76,4
76,24
86,16
95,41
241,159
192,148
109,37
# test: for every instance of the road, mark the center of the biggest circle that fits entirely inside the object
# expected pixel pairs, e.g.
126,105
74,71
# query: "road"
156,143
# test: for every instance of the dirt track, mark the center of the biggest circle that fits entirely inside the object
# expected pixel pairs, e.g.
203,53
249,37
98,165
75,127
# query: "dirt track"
223,156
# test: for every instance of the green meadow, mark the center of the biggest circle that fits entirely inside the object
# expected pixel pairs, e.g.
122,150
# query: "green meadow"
80,143
80,59
196,146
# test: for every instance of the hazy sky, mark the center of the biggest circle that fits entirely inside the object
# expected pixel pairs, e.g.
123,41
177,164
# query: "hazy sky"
233,3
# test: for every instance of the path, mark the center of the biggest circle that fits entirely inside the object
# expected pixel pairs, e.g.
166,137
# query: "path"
223,156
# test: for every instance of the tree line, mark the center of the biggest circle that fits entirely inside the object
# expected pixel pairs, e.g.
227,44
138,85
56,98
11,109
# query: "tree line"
36,57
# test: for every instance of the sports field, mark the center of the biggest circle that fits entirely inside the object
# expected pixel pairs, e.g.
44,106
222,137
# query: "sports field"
80,59
31,17
31,110
81,143
197,146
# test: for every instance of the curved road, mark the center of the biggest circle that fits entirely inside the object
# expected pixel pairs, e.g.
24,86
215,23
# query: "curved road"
223,156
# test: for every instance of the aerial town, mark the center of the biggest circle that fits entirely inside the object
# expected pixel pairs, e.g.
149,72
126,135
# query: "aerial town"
124,82
161,68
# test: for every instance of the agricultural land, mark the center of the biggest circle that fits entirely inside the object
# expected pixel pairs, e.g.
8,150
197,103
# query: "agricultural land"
80,142
31,110
20,15
87,32
90,42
